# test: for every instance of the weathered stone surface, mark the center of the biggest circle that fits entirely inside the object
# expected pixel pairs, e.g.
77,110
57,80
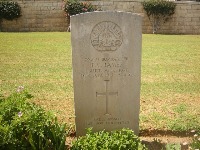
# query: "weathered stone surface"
106,48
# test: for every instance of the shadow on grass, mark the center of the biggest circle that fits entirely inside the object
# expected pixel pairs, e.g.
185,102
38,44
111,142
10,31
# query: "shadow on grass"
165,140
165,133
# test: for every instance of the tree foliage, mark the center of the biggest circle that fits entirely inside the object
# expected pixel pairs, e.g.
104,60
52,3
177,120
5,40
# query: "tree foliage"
73,7
158,12
9,10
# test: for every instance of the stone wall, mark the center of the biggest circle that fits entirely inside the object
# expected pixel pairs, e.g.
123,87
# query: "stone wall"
38,16
46,15
186,19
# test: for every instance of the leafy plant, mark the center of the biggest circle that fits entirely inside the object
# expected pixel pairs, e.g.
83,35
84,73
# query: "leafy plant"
116,140
9,10
195,144
24,125
173,146
158,12
73,7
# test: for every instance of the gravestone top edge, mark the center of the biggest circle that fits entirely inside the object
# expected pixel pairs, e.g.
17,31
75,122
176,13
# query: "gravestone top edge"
110,11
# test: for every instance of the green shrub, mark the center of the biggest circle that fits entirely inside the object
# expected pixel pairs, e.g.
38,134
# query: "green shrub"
9,10
24,125
173,146
116,140
158,11
195,144
73,7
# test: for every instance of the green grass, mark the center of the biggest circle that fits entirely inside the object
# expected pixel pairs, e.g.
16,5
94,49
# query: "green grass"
41,62
170,91
170,79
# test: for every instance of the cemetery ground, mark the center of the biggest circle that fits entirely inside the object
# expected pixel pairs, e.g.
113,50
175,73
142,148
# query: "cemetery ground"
170,87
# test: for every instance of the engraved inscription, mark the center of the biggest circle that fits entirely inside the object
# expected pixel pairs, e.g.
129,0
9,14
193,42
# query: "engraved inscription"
107,121
106,67
106,36
107,94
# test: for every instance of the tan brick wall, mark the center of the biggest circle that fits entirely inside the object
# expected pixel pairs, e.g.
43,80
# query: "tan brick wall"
38,16
46,15
186,19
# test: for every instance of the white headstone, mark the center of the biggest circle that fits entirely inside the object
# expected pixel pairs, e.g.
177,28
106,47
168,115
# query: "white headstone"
106,53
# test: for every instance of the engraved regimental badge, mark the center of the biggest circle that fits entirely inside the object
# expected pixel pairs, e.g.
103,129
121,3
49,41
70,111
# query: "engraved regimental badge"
106,36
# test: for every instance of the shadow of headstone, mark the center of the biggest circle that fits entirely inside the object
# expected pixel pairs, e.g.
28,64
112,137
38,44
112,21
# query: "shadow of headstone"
154,145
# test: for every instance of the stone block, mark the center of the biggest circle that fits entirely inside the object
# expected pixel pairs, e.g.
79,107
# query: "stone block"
107,3
196,7
48,4
97,3
195,19
55,4
106,50
24,30
184,7
106,8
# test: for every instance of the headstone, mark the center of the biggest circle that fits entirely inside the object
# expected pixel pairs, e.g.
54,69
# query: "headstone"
106,57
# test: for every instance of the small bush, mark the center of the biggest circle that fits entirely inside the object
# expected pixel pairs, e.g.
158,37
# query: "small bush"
9,10
24,125
116,140
158,11
73,7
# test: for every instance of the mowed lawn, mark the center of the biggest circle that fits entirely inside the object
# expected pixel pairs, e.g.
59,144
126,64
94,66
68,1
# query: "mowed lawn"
170,90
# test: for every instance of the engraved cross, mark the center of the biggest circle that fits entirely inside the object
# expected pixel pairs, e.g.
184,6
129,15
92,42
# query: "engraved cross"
106,94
